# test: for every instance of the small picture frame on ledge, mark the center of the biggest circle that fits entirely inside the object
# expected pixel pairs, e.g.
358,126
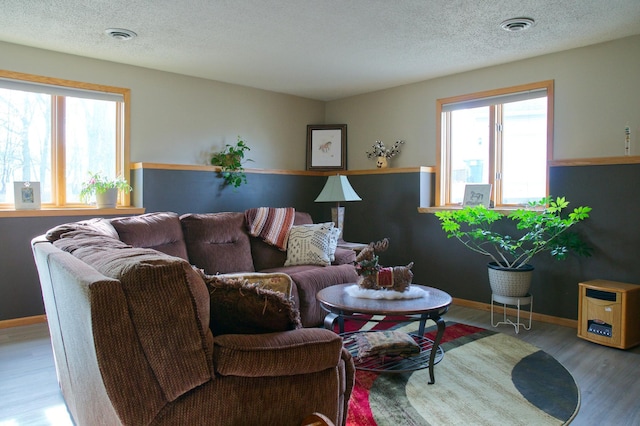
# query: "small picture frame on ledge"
477,194
26,195
327,147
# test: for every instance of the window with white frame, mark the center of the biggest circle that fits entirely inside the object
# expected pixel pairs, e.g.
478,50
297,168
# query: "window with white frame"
500,137
55,131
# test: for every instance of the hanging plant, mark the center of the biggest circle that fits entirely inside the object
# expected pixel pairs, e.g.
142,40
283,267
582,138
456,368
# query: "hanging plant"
230,161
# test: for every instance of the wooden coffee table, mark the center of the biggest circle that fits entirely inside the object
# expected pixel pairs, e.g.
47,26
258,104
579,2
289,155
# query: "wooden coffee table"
435,303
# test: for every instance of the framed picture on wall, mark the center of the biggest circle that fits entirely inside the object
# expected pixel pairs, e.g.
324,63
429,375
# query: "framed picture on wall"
26,195
476,194
327,147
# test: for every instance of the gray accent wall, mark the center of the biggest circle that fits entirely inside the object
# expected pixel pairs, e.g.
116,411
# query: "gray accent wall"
389,208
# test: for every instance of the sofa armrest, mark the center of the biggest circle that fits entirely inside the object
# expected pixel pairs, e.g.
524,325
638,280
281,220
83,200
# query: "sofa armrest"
288,353
344,256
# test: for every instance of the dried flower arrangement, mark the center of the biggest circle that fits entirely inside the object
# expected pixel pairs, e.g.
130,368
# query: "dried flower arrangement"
379,150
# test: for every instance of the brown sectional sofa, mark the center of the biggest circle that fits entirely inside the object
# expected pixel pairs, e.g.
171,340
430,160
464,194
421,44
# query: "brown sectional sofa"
130,326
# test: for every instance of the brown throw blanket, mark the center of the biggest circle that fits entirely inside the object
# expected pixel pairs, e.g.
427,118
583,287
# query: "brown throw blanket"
271,224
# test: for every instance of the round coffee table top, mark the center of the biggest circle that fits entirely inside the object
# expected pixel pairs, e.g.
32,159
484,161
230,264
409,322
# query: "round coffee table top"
336,300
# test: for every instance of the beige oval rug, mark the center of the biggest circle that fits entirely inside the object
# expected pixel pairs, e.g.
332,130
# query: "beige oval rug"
484,378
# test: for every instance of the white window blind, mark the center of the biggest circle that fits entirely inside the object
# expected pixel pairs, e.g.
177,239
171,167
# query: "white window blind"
494,100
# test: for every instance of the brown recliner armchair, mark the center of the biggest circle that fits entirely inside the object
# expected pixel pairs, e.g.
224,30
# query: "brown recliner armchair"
132,345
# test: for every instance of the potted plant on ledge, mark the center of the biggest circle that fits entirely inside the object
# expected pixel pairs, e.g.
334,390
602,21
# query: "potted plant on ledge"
105,189
542,227
230,162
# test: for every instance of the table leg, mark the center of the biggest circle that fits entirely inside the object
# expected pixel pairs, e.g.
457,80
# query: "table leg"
434,349
330,319
423,322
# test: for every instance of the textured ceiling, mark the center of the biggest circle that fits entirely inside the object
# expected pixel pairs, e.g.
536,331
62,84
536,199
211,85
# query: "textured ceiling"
319,49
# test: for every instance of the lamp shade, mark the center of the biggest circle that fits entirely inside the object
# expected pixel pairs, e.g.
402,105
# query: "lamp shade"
337,189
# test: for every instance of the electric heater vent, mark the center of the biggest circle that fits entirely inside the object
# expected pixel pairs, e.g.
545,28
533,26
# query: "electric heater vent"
601,295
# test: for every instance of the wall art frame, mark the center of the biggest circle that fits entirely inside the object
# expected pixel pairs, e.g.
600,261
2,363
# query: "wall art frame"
327,147
26,195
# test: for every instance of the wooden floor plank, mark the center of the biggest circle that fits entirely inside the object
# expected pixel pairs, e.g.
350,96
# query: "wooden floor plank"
609,379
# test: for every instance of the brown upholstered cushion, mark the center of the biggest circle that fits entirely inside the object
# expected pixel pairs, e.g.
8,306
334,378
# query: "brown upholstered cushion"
81,244
218,242
168,305
309,280
96,226
159,231
344,256
240,307
298,352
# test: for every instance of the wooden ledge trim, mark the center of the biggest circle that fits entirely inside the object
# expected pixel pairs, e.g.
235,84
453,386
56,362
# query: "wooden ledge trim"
601,161
434,209
17,322
88,211
206,168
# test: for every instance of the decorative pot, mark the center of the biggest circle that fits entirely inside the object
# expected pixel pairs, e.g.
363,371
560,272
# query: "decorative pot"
382,163
510,282
107,199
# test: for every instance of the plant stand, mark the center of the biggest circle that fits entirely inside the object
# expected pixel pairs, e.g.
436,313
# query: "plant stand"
512,301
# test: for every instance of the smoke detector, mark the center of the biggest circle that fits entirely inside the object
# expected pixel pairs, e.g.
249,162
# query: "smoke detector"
517,24
120,33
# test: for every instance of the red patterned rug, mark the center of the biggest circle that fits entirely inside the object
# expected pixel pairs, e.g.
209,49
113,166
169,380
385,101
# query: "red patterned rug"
485,378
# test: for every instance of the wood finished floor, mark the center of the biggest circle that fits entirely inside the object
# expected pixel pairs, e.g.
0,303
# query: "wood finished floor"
609,379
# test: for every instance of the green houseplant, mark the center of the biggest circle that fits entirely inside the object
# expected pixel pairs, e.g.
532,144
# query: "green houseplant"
99,184
230,162
541,225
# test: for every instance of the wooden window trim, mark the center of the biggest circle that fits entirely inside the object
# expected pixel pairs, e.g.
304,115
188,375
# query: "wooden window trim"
123,132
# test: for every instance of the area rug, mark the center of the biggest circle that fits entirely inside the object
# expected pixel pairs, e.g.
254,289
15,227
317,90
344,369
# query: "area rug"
485,378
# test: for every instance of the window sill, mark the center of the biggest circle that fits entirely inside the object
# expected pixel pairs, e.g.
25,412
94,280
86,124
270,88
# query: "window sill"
74,211
503,210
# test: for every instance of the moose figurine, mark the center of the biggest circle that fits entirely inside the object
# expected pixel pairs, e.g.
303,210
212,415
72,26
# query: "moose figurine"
375,277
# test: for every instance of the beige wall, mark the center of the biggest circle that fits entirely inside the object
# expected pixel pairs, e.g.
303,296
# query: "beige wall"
178,119
597,93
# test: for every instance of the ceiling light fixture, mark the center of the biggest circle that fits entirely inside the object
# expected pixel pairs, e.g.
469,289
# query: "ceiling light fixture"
517,24
120,33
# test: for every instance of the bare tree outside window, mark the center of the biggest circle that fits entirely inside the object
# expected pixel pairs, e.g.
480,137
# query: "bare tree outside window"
25,139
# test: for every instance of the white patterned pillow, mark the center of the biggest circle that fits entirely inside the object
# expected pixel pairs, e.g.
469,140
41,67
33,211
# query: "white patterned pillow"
309,245
334,235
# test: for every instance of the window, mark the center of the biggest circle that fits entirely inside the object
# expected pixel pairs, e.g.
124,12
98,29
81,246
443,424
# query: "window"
502,137
55,131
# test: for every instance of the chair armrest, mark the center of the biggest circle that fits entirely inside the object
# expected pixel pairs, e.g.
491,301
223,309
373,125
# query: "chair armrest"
301,351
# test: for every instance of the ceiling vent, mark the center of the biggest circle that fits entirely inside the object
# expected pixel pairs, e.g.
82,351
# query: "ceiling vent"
517,24
120,33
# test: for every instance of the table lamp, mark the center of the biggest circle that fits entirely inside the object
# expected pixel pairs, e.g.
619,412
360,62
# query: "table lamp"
337,189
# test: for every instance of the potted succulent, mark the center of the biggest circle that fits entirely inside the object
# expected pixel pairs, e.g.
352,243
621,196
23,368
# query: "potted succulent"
230,161
542,228
105,189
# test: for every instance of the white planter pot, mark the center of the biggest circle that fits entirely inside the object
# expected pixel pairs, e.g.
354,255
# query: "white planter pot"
510,282
107,199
